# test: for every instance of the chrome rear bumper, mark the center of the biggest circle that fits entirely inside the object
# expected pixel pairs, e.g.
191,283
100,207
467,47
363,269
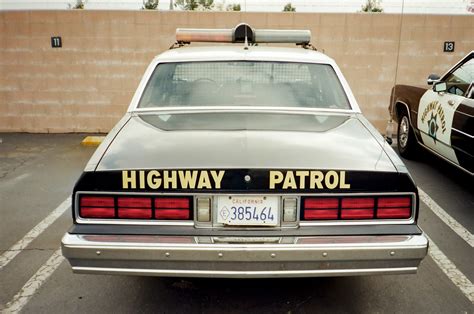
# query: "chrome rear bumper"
186,256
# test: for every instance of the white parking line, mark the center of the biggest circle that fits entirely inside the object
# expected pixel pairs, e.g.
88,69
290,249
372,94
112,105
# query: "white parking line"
13,251
446,218
34,283
454,274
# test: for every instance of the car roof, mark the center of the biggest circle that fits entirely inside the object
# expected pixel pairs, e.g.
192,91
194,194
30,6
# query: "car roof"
238,52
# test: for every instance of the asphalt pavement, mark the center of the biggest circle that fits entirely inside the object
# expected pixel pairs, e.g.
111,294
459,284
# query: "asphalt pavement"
37,173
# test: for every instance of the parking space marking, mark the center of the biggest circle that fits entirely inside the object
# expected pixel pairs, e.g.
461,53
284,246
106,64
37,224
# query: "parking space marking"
446,218
453,273
34,283
15,249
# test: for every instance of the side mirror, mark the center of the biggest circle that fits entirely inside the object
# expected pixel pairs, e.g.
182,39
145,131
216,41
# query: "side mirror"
433,78
440,87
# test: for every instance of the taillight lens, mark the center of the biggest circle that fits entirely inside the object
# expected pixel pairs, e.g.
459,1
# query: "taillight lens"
357,208
125,207
394,207
321,208
134,207
97,207
172,208
349,208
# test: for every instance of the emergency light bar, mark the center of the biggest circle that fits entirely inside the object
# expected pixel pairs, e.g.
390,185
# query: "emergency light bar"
242,33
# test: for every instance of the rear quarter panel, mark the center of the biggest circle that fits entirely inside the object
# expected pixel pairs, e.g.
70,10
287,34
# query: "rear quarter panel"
409,96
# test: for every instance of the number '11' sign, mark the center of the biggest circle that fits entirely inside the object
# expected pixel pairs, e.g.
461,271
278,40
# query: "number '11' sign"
56,42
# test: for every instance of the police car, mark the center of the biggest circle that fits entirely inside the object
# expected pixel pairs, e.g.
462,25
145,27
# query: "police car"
439,119
244,161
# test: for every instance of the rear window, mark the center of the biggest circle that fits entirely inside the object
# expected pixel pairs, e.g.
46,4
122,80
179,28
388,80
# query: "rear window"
244,83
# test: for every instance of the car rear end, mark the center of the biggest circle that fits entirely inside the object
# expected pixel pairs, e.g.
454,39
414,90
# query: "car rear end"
244,162
247,227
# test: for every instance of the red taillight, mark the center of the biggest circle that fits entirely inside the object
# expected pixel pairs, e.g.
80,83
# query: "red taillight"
321,208
394,207
97,207
124,207
172,208
332,208
134,207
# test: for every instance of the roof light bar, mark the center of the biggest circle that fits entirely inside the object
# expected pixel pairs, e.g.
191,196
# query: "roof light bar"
298,37
187,35
240,33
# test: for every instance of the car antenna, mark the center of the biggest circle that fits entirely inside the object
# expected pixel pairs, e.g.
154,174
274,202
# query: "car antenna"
246,42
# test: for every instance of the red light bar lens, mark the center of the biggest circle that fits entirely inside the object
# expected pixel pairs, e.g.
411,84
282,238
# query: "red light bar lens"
100,201
320,214
362,203
402,212
97,212
177,214
134,213
138,202
321,203
357,213
173,203
395,201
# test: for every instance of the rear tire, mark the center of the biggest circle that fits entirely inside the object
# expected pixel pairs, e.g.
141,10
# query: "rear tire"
406,140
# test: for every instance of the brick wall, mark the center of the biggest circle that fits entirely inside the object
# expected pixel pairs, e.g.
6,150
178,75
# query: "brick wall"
86,85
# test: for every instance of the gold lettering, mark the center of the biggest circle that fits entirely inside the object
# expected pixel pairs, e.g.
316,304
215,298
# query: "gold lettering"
188,179
342,181
276,177
204,181
335,179
153,179
126,179
316,179
217,176
289,181
141,176
441,116
302,175
169,177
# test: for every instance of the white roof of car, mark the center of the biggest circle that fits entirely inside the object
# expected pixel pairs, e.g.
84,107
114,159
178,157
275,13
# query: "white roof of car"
238,52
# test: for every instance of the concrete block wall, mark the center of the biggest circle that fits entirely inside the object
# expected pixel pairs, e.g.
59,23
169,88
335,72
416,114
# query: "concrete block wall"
86,85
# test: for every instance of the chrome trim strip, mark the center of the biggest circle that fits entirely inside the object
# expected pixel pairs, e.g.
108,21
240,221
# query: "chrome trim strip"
446,159
254,109
190,243
408,110
466,114
454,129
244,274
131,222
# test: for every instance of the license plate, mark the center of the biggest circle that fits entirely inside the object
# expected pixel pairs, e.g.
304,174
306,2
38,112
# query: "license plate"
248,210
